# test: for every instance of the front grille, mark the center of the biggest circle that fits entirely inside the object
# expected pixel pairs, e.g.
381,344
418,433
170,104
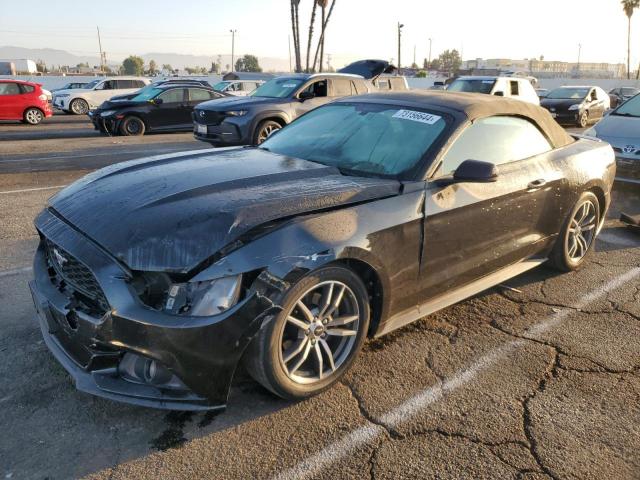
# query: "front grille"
77,276
208,117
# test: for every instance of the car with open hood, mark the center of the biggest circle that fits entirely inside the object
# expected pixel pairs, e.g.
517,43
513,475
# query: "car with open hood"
155,278
161,108
251,119
621,129
576,105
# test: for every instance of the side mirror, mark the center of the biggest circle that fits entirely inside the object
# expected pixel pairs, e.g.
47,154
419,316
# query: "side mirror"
499,93
305,95
157,101
476,171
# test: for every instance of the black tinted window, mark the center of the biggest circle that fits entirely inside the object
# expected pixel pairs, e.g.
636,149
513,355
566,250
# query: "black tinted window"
319,88
515,88
497,140
27,88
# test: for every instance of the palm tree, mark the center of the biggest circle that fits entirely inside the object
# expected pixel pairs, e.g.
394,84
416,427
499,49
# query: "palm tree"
295,27
629,6
313,20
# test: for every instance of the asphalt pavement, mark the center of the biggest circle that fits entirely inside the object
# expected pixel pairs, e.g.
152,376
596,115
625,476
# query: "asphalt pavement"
536,379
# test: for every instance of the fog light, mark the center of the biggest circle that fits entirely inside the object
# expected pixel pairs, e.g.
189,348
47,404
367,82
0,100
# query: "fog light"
139,369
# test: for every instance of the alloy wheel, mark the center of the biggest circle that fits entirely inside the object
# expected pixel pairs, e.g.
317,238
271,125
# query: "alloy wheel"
33,116
266,131
582,230
79,107
319,333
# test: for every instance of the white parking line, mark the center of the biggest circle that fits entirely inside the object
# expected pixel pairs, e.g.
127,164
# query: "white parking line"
411,407
32,189
15,271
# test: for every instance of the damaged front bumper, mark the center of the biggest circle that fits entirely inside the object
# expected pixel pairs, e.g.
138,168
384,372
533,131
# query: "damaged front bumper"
196,356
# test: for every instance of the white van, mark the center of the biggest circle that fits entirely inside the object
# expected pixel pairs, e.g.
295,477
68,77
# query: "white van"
510,87
80,100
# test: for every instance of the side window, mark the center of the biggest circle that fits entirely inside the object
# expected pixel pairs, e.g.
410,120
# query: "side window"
199,95
515,90
7,88
27,88
175,95
319,88
341,87
137,84
593,95
497,140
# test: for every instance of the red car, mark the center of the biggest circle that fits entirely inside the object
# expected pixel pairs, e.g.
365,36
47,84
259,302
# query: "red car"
25,101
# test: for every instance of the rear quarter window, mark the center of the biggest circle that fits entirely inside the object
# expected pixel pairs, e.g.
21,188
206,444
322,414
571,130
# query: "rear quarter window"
27,88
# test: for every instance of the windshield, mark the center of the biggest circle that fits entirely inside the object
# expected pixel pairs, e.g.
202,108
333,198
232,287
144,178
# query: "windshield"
92,84
569,93
220,86
475,85
147,93
278,88
631,108
365,138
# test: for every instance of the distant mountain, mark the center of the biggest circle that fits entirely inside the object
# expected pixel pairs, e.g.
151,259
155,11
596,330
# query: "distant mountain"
51,57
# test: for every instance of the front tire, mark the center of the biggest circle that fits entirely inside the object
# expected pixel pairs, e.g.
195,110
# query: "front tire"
79,106
33,116
316,337
578,234
132,126
583,119
265,129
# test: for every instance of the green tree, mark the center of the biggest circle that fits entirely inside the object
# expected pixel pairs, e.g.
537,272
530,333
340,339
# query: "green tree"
168,67
421,74
248,63
629,6
153,68
450,60
435,64
133,65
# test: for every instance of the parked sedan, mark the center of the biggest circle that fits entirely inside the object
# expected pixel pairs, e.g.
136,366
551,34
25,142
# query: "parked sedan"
154,278
621,128
576,105
165,108
23,101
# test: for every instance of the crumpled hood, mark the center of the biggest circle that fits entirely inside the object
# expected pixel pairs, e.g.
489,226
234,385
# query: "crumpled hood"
231,102
172,212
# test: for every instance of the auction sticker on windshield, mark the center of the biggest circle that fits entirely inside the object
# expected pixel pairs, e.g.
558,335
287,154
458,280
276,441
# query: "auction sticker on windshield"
421,117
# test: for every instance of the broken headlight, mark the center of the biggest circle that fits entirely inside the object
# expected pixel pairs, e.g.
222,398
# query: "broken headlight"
203,299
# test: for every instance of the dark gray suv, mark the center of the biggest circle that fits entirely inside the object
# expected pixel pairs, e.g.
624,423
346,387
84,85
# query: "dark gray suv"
250,120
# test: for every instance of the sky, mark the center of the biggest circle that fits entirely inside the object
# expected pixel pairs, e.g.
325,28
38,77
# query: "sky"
358,28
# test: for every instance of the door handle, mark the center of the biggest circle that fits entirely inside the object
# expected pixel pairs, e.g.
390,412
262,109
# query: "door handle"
541,182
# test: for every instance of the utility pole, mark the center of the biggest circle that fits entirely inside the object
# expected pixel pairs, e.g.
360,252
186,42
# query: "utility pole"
290,70
578,66
103,58
400,25
233,48
414,55
328,62
429,53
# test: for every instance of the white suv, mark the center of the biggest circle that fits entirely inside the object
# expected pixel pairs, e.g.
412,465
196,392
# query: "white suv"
240,88
81,100
510,87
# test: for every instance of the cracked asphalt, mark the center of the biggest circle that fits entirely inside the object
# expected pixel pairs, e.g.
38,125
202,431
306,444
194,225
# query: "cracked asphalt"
536,379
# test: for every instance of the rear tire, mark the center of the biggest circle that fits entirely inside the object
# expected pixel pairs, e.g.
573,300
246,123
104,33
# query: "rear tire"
79,106
326,349
577,236
132,126
33,116
265,129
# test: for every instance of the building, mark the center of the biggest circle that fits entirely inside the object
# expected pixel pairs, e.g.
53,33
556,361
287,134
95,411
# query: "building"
23,65
545,68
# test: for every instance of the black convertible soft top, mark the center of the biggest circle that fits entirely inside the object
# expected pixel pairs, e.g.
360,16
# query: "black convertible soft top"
474,106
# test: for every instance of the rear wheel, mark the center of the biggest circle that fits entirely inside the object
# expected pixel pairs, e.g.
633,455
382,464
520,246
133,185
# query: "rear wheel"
578,234
33,116
132,126
79,106
316,337
265,130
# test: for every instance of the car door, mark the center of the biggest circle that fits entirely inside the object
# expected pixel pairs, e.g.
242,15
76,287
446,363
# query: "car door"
172,112
318,88
196,96
595,106
11,101
103,92
473,229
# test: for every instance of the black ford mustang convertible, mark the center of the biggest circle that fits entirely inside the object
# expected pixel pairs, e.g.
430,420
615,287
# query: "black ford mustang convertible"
154,278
